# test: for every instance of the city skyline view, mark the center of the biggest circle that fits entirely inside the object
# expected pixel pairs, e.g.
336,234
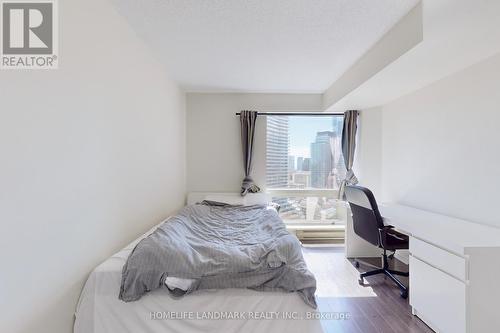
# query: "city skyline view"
305,153
302,132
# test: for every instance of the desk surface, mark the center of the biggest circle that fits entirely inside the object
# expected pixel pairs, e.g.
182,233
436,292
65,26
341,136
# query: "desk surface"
453,234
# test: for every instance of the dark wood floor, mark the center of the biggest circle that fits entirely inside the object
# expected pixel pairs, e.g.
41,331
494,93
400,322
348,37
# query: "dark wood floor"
374,307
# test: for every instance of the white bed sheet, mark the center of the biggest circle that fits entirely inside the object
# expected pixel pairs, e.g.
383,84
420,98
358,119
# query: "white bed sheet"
100,311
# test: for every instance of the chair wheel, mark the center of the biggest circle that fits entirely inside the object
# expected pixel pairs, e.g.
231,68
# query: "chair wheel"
356,263
361,282
404,294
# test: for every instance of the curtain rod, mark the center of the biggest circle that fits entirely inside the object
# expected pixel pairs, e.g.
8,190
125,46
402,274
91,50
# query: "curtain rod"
296,114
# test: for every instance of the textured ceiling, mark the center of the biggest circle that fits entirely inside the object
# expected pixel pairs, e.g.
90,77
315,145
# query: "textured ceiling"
260,45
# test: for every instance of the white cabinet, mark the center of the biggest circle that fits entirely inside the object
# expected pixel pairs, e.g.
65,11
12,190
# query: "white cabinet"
454,268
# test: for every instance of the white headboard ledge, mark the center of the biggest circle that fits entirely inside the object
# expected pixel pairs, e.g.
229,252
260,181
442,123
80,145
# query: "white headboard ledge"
249,199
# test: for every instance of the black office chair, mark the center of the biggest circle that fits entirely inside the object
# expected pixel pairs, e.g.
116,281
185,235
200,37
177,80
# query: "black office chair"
368,224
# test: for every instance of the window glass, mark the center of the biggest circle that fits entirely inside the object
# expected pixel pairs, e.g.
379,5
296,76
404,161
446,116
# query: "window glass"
304,152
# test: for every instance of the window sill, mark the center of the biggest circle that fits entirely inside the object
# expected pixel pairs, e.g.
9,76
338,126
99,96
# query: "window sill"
302,192
313,222
315,227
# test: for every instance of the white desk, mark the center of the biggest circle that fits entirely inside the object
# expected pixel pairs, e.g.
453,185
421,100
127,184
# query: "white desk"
454,268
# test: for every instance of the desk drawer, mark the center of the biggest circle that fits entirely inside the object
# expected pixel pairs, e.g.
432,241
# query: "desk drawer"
437,298
439,258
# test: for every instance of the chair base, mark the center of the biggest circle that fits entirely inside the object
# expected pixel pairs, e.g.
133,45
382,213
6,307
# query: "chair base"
387,272
357,264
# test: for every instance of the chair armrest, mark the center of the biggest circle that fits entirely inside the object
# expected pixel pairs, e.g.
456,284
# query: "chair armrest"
383,233
393,234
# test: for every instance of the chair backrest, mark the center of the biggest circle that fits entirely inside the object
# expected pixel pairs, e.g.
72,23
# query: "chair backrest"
365,214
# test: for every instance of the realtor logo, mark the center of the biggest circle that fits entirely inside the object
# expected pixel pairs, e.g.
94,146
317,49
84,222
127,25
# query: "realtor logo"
29,34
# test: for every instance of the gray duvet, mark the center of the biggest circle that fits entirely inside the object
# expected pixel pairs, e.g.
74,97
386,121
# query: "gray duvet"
220,246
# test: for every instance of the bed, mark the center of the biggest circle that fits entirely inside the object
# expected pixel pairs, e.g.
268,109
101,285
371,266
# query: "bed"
100,310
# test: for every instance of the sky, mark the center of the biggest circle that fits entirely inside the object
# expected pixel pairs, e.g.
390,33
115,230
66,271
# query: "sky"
302,132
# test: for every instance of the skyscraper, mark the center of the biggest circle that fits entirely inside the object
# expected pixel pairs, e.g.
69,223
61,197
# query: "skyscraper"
337,125
306,164
291,163
338,166
277,141
322,159
300,161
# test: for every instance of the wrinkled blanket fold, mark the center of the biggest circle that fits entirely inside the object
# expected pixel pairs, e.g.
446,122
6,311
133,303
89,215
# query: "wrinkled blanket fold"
220,246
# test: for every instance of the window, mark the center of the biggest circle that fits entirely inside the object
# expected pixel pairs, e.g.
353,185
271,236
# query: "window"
305,166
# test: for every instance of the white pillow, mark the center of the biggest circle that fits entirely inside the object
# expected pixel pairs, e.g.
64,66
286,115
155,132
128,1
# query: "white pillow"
237,199
229,198
257,199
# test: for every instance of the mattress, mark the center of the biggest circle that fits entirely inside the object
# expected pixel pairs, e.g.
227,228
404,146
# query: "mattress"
228,310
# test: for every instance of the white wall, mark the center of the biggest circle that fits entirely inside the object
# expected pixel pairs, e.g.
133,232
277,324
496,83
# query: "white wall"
92,155
441,145
367,162
214,158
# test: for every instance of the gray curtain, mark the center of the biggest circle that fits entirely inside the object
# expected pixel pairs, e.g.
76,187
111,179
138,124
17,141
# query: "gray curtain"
349,148
247,123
